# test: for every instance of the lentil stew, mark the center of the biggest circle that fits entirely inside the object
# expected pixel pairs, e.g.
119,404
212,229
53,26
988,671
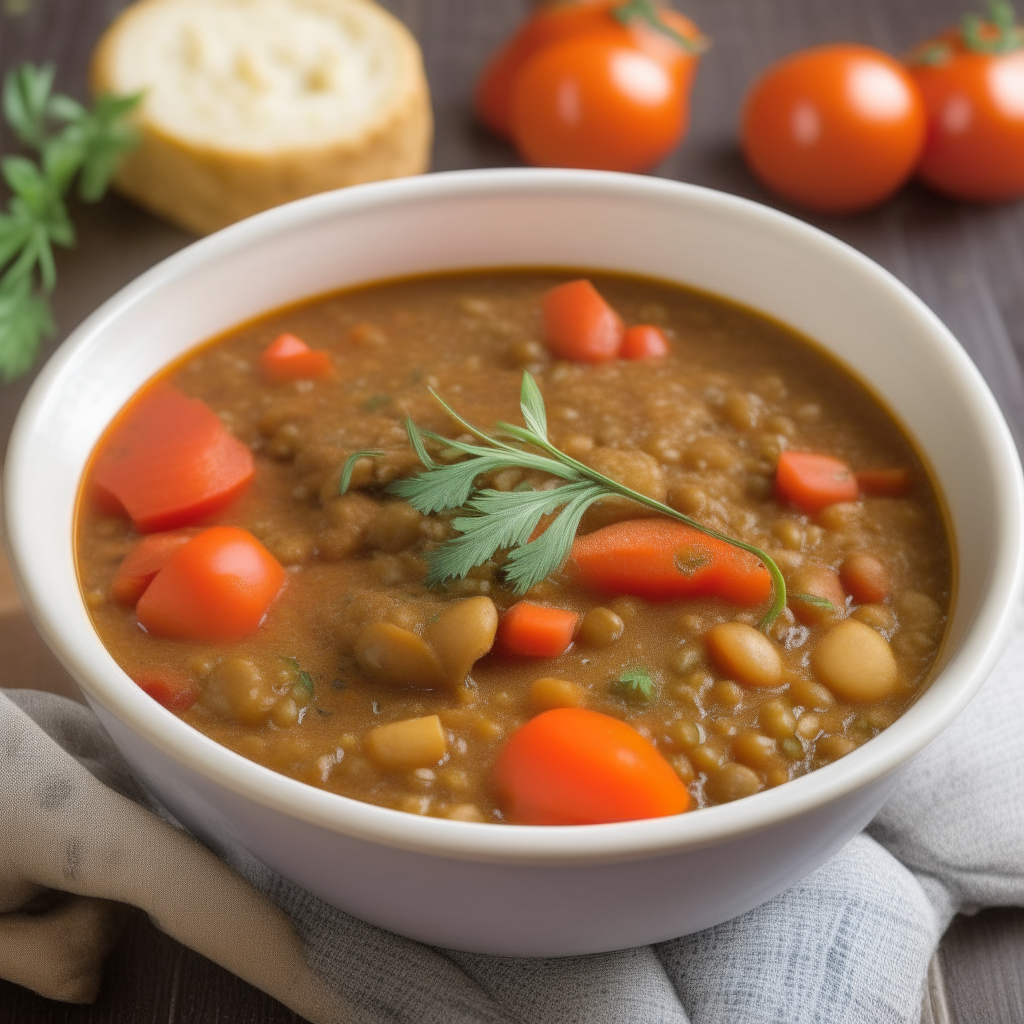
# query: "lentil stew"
323,654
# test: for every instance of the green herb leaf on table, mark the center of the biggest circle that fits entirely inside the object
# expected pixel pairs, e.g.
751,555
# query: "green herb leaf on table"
493,520
86,148
634,684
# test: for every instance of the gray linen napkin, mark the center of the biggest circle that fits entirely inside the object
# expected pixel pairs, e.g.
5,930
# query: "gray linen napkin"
849,943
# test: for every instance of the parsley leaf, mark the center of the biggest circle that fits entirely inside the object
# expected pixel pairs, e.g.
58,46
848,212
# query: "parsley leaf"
491,521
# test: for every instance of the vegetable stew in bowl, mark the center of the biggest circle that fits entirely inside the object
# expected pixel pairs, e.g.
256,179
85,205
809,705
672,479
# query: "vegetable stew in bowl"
694,559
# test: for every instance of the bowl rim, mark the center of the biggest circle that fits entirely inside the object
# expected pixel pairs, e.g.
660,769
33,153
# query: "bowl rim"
519,844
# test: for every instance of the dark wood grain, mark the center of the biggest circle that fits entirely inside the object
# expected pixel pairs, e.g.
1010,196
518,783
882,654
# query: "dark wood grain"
967,263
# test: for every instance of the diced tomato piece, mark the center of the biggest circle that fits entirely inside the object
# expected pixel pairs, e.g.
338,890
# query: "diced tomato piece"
142,563
660,560
884,483
536,631
172,689
580,325
571,766
644,342
217,587
290,358
811,481
169,461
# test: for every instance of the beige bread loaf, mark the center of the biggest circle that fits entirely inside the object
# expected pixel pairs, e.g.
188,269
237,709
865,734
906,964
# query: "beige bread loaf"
251,103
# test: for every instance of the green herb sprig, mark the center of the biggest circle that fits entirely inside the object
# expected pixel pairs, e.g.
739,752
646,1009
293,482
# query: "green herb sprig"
74,143
505,520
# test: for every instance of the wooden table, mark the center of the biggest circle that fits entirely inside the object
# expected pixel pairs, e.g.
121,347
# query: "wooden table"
966,262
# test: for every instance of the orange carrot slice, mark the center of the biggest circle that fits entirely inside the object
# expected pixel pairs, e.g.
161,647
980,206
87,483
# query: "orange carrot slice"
535,630
811,481
661,560
571,766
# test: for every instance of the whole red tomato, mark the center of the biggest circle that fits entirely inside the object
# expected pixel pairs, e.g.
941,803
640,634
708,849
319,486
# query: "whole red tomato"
596,101
972,82
835,128
639,62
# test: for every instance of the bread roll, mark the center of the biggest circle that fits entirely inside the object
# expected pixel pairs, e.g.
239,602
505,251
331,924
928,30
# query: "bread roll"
251,103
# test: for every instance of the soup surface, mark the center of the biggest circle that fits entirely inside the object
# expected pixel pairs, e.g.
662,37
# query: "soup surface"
701,428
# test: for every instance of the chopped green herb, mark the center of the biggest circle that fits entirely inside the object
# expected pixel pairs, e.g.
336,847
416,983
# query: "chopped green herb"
375,402
634,684
302,677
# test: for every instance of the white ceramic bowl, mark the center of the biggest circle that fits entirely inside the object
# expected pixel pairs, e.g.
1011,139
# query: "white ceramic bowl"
514,889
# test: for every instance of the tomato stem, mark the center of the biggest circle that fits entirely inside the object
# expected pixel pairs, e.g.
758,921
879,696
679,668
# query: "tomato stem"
647,12
978,34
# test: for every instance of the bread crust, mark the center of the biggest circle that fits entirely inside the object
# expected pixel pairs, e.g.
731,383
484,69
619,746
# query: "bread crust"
204,188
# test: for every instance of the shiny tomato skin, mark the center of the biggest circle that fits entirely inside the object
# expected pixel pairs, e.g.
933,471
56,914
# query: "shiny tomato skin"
975,107
493,94
572,766
593,101
836,128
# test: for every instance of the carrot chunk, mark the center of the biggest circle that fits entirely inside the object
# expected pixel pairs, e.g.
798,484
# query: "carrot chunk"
217,587
290,358
660,560
169,461
579,325
142,563
644,342
535,630
174,691
571,766
811,482
884,483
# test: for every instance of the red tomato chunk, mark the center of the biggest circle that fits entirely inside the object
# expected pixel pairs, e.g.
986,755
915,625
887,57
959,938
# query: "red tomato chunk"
644,342
290,358
173,690
218,587
580,325
169,462
142,563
